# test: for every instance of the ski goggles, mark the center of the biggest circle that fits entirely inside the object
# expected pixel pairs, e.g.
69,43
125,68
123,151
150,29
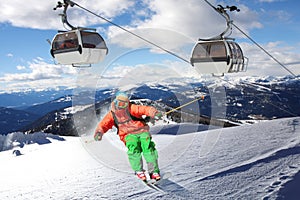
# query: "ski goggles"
121,104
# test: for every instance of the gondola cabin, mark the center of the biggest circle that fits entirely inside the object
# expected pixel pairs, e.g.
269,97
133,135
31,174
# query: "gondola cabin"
218,57
78,47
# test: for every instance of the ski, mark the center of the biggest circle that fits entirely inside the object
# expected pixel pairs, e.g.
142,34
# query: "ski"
156,185
153,186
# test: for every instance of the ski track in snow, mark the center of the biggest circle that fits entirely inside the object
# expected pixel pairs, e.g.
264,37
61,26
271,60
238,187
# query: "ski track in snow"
247,162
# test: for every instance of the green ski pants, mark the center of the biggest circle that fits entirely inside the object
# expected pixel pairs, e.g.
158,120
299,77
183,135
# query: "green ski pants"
138,144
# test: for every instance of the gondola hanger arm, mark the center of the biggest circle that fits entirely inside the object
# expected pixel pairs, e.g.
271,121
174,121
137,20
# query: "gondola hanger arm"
63,15
223,12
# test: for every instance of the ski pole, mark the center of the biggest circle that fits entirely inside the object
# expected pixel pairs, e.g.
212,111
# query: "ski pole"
188,103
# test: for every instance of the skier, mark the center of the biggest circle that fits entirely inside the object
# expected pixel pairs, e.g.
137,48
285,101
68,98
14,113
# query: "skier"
134,132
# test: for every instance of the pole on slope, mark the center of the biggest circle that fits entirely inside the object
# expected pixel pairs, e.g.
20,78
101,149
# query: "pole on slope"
186,104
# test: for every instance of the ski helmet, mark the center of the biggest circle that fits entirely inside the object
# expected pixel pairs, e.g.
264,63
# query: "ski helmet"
121,100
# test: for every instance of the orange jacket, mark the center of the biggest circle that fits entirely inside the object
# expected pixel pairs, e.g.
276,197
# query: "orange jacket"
125,124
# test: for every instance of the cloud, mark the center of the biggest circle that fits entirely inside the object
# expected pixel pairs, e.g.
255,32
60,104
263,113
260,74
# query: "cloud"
38,85
260,64
10,55
282,15
157,39
40,75
187,18
32,13
20,67
40,70
246,19
120,76
193,19
276,16
196,18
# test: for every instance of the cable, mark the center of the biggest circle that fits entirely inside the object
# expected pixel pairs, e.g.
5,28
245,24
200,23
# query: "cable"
282,65
231,22
128,31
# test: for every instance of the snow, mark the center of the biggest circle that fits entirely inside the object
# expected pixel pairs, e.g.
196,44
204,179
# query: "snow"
75,109
259,161
64,99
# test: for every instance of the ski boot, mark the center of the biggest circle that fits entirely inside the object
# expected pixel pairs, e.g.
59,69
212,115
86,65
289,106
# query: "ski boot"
155,176
141,175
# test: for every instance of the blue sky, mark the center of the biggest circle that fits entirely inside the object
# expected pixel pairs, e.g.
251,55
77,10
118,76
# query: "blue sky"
26,25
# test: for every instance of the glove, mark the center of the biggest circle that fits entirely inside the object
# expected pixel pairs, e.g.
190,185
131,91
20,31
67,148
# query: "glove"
98,136
158,116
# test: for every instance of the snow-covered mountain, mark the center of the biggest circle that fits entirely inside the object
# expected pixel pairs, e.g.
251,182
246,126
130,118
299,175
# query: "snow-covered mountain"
20,100
56,104
19,109
259,161
13,120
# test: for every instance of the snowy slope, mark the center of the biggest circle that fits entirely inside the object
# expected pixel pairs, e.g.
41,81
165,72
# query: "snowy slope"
247,162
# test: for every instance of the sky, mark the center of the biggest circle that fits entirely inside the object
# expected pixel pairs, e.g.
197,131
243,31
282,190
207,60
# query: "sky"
25,27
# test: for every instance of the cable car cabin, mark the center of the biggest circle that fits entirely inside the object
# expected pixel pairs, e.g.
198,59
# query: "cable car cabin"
218,57
78,47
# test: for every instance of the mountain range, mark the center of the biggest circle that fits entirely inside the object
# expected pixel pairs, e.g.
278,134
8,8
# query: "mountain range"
219,101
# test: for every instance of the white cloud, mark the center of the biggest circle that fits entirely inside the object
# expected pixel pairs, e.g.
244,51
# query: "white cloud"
187,18
34,13
246,20
283,15
38,84
30,13
192,19
20,67
40,70
10,55
40,75
196,18
160,40
118,75
260,64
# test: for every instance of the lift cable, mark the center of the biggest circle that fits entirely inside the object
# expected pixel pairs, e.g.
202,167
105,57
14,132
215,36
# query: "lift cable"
252,40
128,31
281,64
